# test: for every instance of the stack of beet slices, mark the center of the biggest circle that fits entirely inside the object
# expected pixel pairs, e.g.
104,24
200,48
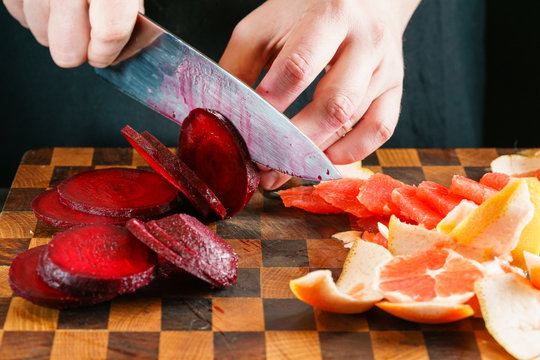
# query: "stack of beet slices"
107,196
119,230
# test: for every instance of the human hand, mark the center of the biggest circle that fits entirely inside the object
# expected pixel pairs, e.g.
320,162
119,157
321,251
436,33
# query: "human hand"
77,31
357,42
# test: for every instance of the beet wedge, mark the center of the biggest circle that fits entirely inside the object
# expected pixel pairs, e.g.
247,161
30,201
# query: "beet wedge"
118,192
201,250
163,161
48,208
214,149
27,284
181,257
97,259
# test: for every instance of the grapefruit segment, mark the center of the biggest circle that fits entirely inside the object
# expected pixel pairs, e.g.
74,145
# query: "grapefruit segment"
438,197
414,208
427,312
303,197
494,228
470,189
439,275
511,310
495,180
343,194
376,194
533,268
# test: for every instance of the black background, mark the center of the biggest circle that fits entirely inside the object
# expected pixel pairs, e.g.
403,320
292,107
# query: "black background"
472,80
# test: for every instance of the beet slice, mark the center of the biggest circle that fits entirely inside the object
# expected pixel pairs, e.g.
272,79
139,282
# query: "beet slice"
218,259
48,208
181,257
163,161
119,192
97,258
27,284
212,147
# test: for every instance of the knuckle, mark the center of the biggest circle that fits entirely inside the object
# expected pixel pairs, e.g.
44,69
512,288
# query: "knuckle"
111,34
241,31
384,132
378,33
340,110
296,68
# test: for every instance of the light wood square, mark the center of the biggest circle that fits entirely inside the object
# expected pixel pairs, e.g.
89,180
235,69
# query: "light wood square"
33,176
249,252
275,281
489,347
186,345
476,157
442,174
34,242
292,345
85,345
237,314
17,224
135,314
398,157
398,345
5,289
25,316
72,156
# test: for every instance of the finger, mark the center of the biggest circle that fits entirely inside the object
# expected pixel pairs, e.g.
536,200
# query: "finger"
37,17
310,47
15,9
338,97
112,23
271,179
246,53
69,32
373,130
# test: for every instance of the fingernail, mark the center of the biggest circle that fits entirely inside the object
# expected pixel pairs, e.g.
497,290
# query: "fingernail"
268,180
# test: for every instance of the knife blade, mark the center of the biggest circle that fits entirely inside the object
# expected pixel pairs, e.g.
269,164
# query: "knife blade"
171,77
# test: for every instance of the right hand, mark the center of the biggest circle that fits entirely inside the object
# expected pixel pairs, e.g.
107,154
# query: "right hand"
77,31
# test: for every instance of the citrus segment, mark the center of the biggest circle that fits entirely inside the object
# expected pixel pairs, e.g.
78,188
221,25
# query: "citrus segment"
354,170
407,239
495,180
511,310
438,197
343,194
427,312
414,208
494,228
439,275
376,238
456,216
302,197
470,189
533,267
529,239
376,194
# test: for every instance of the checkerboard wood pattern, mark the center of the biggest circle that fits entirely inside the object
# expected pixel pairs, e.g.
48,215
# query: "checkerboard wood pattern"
258,318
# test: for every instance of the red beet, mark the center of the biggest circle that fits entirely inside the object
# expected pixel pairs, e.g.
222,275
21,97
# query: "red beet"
97,258
48,208
190,245
118,192
181,257
26,283
162,160
212,147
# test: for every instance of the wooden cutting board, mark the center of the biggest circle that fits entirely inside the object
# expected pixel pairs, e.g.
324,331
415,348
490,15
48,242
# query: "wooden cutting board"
257,318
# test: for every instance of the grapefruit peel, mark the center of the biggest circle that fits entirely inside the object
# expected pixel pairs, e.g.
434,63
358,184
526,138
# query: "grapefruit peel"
533,268
354,170
516,164
353,292
427,312
510,307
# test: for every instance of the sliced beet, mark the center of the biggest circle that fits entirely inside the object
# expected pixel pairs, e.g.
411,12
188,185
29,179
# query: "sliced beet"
97,258
212,147
48,208
181,257
163,161
27,284
119,192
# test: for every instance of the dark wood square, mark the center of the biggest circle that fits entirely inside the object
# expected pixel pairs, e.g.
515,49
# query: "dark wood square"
240,227
475,173
112,156
451,345
89,318
430,157
248,284
186,314
20,199
133,345
26,345
61,173
239,345
4,307
345,345
285,253
43,230
37,157
380,320
371,160
288,314
323,226
412,175
9,248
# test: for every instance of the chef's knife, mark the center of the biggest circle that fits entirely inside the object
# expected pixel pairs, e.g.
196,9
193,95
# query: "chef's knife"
172,78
